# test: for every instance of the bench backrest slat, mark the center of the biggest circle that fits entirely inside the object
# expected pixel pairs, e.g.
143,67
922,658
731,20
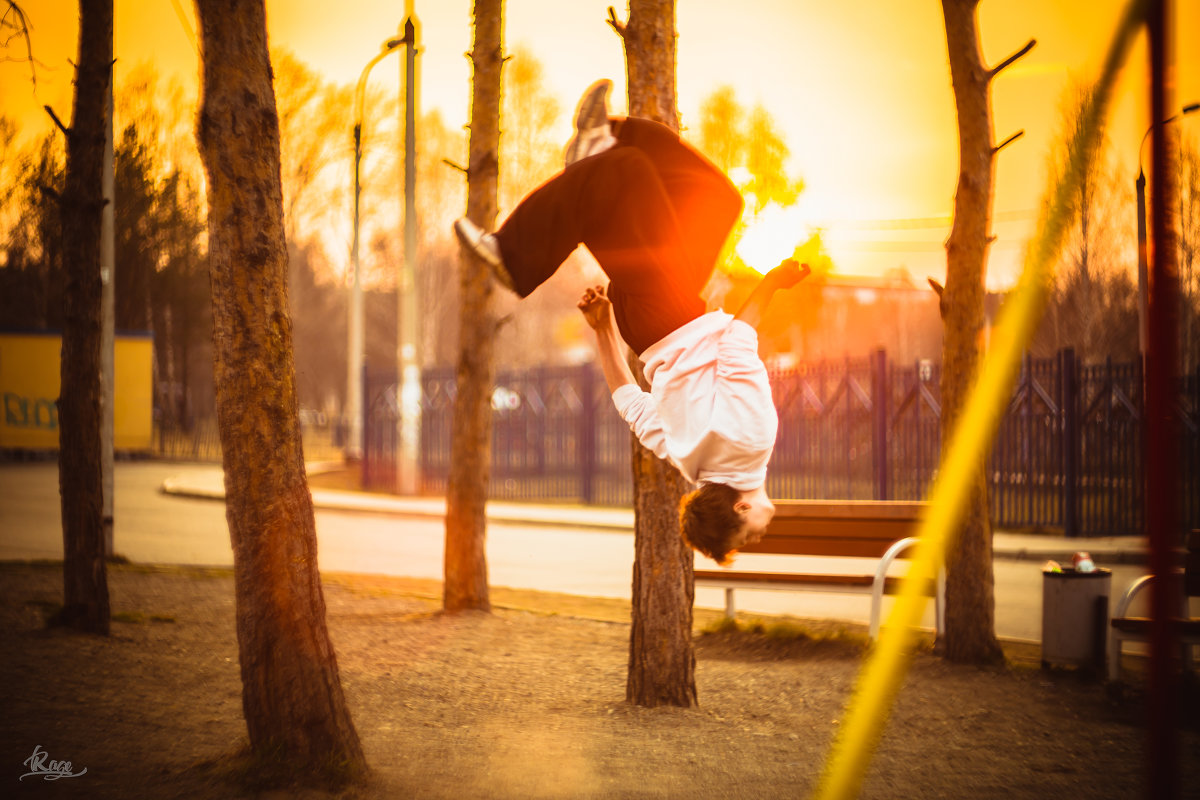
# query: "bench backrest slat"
852,528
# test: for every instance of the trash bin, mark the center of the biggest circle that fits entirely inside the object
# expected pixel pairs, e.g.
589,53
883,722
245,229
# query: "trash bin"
1075,617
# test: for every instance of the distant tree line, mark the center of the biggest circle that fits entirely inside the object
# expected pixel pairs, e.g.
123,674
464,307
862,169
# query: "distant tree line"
161,278
1093,305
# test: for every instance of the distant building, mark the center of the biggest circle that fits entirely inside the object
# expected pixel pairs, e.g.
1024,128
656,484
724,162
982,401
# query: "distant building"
838,316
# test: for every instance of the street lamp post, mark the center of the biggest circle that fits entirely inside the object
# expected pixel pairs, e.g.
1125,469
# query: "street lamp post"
408,426
354,398
1143,260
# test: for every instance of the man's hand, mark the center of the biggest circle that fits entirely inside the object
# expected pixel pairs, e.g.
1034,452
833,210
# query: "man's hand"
596,308
787,274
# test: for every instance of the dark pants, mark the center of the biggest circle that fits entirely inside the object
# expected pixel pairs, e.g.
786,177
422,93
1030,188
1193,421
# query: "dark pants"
653,211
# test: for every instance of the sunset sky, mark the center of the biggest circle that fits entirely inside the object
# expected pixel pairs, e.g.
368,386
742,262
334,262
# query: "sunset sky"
860,89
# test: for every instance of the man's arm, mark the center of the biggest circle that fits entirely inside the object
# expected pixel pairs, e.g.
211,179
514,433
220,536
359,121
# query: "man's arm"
636,407
597,310
785,276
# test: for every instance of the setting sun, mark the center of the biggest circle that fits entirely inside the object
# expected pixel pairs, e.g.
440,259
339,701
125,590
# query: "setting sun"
772,235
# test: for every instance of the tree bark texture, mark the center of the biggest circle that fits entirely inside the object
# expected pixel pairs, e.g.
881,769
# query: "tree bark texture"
649,36
296,713
662,662
970,601
465,585
85,581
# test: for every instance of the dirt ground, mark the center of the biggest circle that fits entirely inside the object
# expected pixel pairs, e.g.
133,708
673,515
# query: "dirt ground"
528,702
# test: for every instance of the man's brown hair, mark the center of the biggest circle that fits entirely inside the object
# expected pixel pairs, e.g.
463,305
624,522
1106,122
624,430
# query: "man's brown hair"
708,520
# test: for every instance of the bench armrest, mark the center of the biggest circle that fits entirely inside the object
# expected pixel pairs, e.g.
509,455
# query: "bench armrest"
1134,589
881,571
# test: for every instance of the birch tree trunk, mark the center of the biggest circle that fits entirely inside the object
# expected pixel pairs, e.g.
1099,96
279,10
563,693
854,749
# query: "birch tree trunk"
296,713
466,585
970,634
85,581
662,662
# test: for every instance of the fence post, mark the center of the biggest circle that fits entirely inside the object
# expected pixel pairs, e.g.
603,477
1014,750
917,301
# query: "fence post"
541,380
879,420
586,431
1069,404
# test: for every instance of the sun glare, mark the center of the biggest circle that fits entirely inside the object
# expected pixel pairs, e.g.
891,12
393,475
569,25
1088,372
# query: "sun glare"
771,236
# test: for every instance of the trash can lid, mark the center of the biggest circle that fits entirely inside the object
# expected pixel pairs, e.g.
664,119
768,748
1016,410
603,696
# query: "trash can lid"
1071,573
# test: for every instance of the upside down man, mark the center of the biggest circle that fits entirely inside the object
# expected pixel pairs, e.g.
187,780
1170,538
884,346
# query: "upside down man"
655,214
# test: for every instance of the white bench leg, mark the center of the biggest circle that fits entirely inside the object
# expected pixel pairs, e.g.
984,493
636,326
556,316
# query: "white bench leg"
730,608
876,609
940,600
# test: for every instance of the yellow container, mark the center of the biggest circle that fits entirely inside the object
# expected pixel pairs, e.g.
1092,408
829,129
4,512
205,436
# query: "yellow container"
29,387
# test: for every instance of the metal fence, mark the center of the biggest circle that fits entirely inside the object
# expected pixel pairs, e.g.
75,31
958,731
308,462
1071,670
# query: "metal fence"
1067,454
202,441
555,436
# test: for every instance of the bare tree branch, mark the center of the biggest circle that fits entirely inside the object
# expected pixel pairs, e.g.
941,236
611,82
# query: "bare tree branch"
994,71
1008,141
66,131
20,29
616,24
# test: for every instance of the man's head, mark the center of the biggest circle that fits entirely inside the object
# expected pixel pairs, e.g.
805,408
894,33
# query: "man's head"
717,519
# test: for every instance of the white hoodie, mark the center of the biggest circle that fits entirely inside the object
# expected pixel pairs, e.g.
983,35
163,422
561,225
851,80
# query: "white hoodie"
709,409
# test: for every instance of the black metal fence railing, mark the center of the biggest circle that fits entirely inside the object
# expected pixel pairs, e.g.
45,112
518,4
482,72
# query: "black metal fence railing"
1067,454
555,436
1110,485
202,442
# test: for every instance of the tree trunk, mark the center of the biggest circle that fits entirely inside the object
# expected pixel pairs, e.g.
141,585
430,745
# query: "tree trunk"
295,710
85,582
662,663
465,585
649,38
970,634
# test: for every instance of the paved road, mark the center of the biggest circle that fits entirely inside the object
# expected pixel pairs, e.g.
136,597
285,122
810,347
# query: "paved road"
153,527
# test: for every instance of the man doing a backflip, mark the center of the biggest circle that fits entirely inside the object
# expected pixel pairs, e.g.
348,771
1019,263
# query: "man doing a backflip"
656,214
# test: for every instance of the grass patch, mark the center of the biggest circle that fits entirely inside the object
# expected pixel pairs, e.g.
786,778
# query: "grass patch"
138,618
36,563
186,571
786,630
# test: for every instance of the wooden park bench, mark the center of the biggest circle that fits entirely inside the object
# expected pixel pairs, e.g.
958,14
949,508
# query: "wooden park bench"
1186,628
875,530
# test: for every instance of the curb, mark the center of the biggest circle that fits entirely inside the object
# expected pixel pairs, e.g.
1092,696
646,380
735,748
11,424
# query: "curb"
615,520
621,521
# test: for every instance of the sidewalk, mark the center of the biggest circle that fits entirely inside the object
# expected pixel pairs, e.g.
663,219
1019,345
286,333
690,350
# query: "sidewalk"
207,482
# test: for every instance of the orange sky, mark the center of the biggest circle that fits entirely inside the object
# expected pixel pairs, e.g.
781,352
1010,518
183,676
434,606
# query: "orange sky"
860,88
